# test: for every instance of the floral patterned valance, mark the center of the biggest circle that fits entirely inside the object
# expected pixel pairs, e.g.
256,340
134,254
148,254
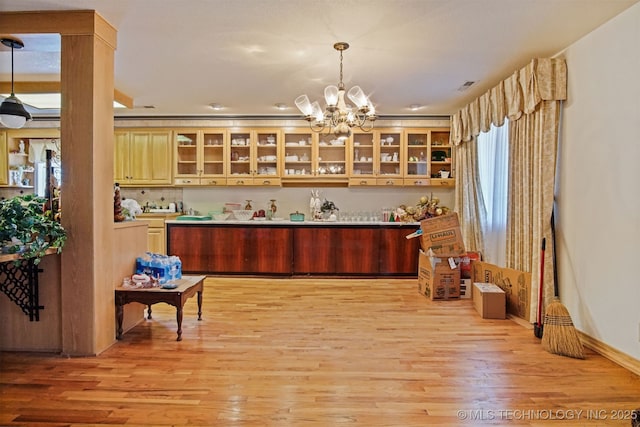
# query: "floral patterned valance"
543,79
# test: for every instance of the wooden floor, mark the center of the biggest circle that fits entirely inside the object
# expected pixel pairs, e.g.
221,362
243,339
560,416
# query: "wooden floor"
319,353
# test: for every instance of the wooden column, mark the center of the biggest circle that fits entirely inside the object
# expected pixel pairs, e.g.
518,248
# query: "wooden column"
86,120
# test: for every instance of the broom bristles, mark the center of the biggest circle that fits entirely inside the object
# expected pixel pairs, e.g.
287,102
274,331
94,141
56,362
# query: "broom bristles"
560,336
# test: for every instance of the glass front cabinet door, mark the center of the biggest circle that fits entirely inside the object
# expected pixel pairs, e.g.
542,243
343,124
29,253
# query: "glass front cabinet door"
200,157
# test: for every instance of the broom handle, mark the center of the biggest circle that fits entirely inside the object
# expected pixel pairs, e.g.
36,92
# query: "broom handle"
556,292
540,285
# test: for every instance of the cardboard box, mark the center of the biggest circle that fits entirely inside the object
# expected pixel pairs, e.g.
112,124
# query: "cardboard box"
436,279
516,285
489,300
442,235
465,288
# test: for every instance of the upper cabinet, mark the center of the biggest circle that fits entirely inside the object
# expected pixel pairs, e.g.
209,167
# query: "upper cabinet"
441,158
363,157
429,157
416,154
390,165
391,157
142,157
200,157
254,157
21,150
313,157
377,158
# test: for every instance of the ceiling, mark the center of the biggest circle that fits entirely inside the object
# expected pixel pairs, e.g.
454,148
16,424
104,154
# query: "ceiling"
248,55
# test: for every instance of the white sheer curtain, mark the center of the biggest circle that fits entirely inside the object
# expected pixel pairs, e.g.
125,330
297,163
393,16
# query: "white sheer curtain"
493,157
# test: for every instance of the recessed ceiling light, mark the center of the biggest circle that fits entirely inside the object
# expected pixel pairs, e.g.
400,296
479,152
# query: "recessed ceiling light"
216,106
281,106
415,107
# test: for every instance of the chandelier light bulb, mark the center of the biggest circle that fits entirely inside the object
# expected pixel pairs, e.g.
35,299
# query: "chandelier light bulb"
357,96
304,105
316,111
331,95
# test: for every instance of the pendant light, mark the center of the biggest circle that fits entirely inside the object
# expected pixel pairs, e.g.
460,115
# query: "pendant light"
12,113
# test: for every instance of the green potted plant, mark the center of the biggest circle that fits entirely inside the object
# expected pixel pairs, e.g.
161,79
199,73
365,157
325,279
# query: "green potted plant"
29,230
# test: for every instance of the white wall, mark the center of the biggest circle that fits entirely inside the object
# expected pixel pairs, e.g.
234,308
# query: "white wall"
599,184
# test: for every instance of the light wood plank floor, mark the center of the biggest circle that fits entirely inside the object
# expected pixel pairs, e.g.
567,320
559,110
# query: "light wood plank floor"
319,353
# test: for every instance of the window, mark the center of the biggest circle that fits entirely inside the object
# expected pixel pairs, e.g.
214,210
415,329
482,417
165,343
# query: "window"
493,158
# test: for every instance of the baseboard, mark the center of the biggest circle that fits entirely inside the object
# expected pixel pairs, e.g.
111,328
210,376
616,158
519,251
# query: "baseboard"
611,353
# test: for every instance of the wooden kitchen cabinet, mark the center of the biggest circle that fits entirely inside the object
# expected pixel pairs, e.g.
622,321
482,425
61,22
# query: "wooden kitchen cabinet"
313,158
377,158
340,250
356,250
17,162
397,254
331,160
299,162
142,157
416,155
275,157
156,233
441,158
231,249
314,250
200,157
254,158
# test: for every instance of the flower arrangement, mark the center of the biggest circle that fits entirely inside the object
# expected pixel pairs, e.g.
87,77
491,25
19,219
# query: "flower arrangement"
28,228
427,207
328,206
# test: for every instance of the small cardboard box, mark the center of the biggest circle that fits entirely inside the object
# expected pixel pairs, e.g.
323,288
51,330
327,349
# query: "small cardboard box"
465,288
516,285
489,300
436,279
442,235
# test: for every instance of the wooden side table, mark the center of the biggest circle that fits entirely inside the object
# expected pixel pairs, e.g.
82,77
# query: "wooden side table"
188,286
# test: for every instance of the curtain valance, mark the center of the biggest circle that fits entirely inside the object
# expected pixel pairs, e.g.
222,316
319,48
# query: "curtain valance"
543,79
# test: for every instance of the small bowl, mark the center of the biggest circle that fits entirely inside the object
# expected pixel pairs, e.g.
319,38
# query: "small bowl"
221,216
243,215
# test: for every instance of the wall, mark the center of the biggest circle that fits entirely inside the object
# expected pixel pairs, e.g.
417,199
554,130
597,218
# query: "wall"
17,332
288,200
597,200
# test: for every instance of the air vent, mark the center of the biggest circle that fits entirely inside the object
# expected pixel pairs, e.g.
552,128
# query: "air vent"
466,85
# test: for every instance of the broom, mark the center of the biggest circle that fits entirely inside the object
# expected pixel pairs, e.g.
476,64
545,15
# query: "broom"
560,336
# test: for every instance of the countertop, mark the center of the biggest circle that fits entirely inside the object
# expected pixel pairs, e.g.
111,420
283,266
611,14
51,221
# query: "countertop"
293,223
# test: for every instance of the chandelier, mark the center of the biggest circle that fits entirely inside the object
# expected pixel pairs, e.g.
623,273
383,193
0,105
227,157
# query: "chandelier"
338,118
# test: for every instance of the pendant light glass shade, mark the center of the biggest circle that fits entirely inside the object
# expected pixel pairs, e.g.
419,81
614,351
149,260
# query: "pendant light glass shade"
12,113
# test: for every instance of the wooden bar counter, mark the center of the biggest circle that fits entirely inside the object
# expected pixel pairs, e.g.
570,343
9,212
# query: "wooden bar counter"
289,248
